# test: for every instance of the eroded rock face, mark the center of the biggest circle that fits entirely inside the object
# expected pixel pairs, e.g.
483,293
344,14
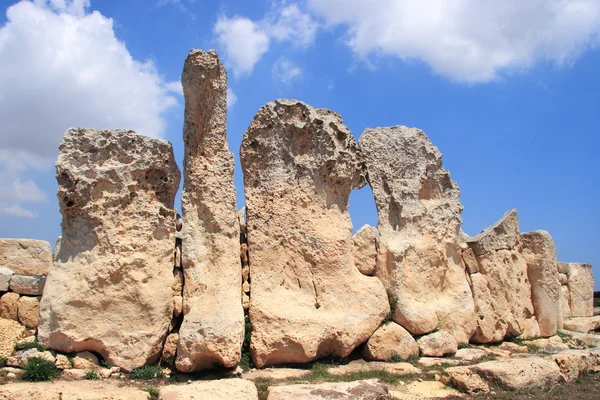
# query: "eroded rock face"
109,290
213,324
540,254
308,298
581,289
365,249
501,289
419,215
26,257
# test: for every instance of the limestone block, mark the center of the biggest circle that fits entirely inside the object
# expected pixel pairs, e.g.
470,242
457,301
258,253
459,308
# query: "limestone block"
5,274
357,390
224,389
581,290
28,311
8,306
389,340
365,249
26,257
437,344
28,285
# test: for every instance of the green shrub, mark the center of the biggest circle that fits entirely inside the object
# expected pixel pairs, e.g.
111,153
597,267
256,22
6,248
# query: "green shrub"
38,370
245,361
396,358
393,300
3,362
91,375
153,392
147,372
30,345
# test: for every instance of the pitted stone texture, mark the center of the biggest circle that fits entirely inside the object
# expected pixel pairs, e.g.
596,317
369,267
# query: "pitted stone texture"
26,257
520,373
419,213
581,290
28,285
308,298
109,289
391,340
8,306
10,332
467,381
223,389
437,344
28,311
540,254
213,319
63,390
501,289
357,390
365,249
583,324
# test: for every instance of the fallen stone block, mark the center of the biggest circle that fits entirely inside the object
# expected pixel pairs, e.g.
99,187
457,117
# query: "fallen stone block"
582,324
27,257
520,373
224,389
28,285
357,390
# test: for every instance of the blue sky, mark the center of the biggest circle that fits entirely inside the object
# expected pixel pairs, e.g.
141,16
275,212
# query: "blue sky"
508,91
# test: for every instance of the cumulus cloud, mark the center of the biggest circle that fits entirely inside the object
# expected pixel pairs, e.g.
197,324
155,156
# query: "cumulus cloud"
17,211
64,68
231,98
244,41
285,71
469,40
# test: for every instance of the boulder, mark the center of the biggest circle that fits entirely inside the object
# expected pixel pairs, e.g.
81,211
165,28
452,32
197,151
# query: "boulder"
394,368
581,290
224,389
309,300
21,357
62,362
365,249
170,348
85,360
419,218
28,311
5,274
437,344
467,381
501,289
70,391
583,324
213,319
10,332
388,341
28,285
26,257
573,363
9,306
470,354
357,390
520,373
540,254
106,291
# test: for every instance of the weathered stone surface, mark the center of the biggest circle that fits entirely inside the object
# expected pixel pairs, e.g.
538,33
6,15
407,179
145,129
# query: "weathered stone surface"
564,305
551,345
28,311
21,357
469,354
275,373
429,362
401,368
389,340
540,254
28,285
8,306
424,390
308,298
419,214
467,381
563,279
590,340
62,362
564,268
470,260
357,390
520,373
224,389
213,322
581,290
107,292
501,289
26,257
365,249
573,363
170,348
10,332
583,324
5,274
85,360
61,390
437,344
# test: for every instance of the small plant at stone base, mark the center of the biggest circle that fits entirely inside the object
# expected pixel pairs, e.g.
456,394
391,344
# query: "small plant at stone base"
146,373
153,392
30,345
91,375
3,362
245,361
395,358
393,300
38,370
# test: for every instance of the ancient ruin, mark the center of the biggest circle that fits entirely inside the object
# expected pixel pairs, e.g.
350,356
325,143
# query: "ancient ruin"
217,291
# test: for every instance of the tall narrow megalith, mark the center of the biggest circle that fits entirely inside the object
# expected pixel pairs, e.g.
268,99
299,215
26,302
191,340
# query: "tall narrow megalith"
213,324
109,288
419,214
308,298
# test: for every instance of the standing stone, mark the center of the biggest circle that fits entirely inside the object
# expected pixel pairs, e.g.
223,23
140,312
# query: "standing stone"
540,254
109,290
26,257
28,311
308,298
213,322
581,289
419,214
365,249
501,289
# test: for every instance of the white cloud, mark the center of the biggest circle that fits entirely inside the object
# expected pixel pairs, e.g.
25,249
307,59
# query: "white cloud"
17,211
244,43
285,71
66,68
288,22
468,40
231,98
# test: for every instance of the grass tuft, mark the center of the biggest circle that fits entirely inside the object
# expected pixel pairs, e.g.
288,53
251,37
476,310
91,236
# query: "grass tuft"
39,370
146,373
3,362
153,392
30,345
91,375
